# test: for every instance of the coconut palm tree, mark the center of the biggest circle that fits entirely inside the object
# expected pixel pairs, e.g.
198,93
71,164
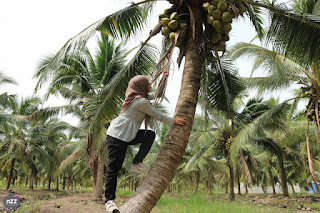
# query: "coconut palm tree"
282,72
173,148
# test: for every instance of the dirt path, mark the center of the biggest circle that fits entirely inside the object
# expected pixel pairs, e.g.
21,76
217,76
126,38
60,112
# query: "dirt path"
45,201
75,204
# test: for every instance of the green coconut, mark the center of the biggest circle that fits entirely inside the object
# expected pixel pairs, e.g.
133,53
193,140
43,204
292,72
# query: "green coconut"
226,17
166,11
211,8
166,31
162,16
173,25
165,21
217,25
210,20
184,26
222,5
172,35
182,34
174,16
226,27
225,37
221,45
230,10
242,9
216,14
215,38
215,2
205,6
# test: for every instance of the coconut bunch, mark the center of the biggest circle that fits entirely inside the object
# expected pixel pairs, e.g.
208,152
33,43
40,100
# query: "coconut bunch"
314,103
219,15
171,25
223,145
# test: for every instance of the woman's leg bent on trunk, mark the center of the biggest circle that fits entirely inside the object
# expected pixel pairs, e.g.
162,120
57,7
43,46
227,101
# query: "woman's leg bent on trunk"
146,138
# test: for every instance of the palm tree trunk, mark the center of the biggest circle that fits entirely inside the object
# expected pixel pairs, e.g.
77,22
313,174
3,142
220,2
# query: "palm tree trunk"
197,179
57,182
49,182
64,182
292,187
273,187
14,179
94,175
231,181
173,147
246,188
238,181
283,176
10,173
31,182
272,181
100,175
20,181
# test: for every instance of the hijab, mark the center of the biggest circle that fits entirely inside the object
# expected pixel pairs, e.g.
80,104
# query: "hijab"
137,88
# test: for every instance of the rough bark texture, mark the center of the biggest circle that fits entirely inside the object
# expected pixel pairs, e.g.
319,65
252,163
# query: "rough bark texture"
283,176
10,173
170,154
49,182
64,182
94,175
292,187
100,175
238,181
31,182
231,182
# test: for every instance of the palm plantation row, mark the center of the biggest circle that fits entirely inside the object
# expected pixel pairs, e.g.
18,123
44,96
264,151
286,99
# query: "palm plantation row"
255,141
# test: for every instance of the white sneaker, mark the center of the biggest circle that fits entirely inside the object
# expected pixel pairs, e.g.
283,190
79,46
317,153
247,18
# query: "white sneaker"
111,207
139,168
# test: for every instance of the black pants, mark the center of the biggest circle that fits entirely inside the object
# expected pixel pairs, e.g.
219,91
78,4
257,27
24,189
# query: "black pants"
116,153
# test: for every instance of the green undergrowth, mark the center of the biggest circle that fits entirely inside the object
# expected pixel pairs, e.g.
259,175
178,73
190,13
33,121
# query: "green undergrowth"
199,203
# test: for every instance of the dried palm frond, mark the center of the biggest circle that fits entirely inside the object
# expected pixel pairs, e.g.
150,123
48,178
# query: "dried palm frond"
163,65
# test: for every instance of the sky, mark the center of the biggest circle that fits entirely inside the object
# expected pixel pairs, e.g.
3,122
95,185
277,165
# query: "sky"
32,29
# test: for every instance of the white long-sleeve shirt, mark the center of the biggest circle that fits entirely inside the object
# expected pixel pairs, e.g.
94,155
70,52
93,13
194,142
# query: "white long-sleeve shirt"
127,124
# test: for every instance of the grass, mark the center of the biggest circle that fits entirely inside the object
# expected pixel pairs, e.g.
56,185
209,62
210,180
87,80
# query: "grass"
205,204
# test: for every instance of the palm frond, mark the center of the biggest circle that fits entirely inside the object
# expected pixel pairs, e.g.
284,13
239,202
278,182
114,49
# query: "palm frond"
213,94
316,9
106,105
281,71
6,80
295,35
123,23
271,119
8,101
254,14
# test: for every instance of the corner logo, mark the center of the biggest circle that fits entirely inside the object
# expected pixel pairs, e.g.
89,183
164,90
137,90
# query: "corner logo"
11,202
